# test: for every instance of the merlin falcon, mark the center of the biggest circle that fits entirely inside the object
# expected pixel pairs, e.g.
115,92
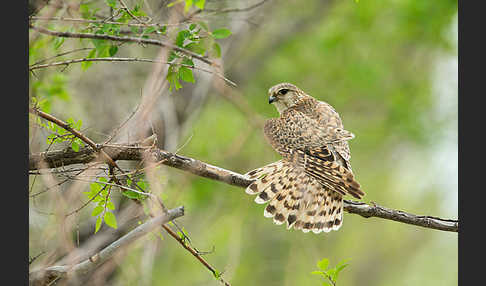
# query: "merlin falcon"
305,188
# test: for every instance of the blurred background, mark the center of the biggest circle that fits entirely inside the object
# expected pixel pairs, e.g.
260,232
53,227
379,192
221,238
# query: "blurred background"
388,67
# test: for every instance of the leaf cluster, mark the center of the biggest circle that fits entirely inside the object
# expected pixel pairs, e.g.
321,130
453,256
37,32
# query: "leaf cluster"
99,194
330,274
196,38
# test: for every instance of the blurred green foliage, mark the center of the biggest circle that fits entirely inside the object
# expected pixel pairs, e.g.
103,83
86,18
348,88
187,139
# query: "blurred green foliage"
374,61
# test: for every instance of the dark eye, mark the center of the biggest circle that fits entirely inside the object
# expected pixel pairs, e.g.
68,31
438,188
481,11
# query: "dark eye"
283,91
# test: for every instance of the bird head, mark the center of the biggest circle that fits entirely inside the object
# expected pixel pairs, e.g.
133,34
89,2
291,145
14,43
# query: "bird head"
284,95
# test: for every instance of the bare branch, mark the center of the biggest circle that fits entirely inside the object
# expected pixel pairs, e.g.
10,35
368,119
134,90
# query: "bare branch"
45,276
232,10
202,169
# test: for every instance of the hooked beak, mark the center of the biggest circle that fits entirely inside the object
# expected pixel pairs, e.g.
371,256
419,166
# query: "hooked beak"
271,99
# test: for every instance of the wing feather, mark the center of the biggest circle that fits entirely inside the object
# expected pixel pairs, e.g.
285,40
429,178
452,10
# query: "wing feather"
307,137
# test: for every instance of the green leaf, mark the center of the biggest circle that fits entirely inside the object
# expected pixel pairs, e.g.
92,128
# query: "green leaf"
98,224
97,210
323,264
58,42
342,262
332,274
172,56
163,30
111,3
198,48
188,62
98,43
131,195
216,51
221,33
104,193
186,74
75,146
95,187
149,30
112,51
110,220
173,78
137,11
339,268
318,273
142,185
181,36
86,65
50,139
110,205
192,26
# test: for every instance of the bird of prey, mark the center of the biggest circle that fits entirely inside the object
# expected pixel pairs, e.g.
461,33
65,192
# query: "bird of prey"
305,188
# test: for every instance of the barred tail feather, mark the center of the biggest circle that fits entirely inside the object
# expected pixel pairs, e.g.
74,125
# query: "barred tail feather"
295,198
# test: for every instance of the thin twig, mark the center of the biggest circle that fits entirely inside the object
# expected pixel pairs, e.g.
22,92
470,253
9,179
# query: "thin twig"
233,10
105,22
112,59
115,132
86,203
124,7
32,259
196,254
59,55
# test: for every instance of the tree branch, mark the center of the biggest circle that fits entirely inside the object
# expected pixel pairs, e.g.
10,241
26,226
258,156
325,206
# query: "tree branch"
111,59
64,19
46,276
75,132
132,152
124,39
196,254
233,10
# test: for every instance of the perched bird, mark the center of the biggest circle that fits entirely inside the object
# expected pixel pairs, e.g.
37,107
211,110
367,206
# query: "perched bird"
305,188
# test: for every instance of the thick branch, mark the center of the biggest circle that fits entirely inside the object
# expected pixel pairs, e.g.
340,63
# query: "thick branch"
199,168
46,276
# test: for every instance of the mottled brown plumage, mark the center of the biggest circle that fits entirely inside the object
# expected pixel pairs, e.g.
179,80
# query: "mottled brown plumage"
305,189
